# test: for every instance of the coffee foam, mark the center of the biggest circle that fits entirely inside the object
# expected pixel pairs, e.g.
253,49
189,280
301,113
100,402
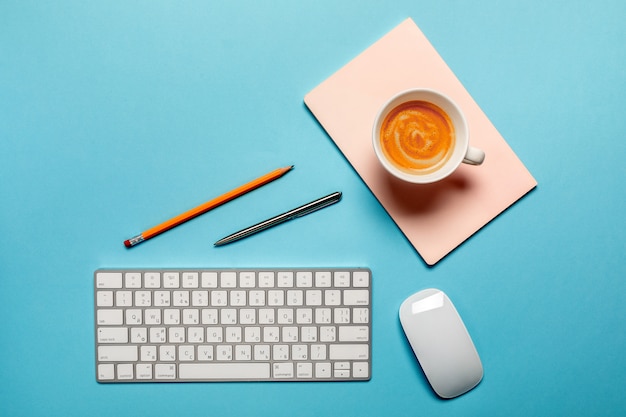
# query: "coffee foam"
417,137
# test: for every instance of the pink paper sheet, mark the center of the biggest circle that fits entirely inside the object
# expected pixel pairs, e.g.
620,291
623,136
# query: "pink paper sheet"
435,218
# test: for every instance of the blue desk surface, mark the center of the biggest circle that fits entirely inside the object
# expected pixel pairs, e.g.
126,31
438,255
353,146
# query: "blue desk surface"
117,115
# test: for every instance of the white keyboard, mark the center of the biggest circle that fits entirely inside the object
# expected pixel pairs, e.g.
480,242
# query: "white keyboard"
164,325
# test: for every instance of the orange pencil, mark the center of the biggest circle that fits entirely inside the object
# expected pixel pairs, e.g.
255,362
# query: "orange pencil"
203,208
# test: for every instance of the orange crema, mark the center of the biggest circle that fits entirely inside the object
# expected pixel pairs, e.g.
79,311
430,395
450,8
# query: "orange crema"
417,137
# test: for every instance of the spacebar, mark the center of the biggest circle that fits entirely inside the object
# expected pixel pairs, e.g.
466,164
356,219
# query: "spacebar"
224,371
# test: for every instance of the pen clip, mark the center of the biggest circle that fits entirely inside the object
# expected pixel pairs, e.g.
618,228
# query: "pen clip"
316,205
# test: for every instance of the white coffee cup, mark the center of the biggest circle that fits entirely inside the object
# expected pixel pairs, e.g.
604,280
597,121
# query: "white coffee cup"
459,152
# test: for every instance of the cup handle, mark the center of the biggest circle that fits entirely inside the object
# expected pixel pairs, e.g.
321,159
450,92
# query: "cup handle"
474,156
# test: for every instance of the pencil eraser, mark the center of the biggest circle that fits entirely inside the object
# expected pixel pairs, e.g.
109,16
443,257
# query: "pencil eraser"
127,243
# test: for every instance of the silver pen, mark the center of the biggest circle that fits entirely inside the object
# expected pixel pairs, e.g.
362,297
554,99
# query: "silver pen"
281,218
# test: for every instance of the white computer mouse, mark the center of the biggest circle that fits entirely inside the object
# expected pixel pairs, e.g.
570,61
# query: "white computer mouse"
441,343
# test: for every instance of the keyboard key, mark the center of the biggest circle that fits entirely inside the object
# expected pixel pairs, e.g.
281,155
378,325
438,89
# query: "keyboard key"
209,280
104,298
266,279
148,354
109,280
304,370
346,352
219,298
342,279
171,280
353,333
186,353
125,371
205,353
256,298
318,352
283,370
361,279
328,334
295,298
342,373
132,280
106,371
200,298
181,298
313,298
144,371
243,352
247,280
138,335
238,298
304,315
332,297
355,297
190,280
304,279
165,371
167,353
123,298
110,317
162,298
323,279
341,315
360,315
322,370
143,298
113,335
152,280
285,316
285,279
153,316
360,370
117,353
224,371
276,297
157,335
228,280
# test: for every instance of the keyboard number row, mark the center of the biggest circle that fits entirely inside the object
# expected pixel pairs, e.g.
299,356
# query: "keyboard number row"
234,298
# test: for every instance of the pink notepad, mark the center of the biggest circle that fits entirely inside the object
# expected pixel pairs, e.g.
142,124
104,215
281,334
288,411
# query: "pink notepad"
435,218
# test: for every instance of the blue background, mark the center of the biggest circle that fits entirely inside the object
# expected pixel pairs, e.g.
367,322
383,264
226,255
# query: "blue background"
117,115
